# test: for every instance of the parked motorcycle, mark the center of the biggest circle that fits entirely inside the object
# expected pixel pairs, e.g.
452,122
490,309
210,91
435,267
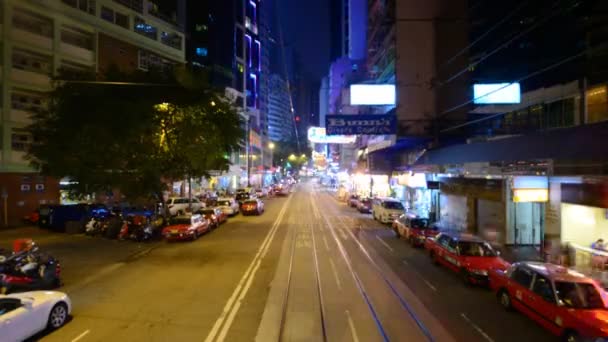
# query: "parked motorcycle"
138,228
27,269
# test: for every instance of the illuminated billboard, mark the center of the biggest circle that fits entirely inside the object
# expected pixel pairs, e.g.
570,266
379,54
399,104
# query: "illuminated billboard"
372,94
317,135
496,93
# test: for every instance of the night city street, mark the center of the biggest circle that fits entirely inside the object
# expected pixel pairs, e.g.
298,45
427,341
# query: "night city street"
294,171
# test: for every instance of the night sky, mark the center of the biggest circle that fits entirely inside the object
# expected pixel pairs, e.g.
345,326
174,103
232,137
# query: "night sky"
306,27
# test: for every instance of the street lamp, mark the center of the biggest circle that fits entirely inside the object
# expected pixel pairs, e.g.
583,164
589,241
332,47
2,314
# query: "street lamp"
292,157
271,145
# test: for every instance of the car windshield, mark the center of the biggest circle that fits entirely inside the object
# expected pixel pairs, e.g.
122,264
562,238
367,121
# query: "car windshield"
393,205
578,295
181,220
473,248
223,203
420,223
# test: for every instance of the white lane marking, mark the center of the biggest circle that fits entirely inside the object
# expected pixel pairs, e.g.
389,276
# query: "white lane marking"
353,331
231,307
428,283
385,244
326,244
77,338
343,234
477,328
333,268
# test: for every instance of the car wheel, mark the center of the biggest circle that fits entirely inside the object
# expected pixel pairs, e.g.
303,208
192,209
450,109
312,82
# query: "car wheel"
466,278
570,336
505,299
434,258
58,316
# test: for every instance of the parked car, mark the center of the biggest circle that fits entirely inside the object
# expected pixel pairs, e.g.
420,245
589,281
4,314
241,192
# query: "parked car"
261,192
414,229
563,301
215,216
180,205
228,205
186,227
468,255
364,205
353,200
386,210
252,206
23,315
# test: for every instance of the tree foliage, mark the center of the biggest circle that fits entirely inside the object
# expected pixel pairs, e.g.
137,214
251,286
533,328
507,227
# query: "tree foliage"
133,136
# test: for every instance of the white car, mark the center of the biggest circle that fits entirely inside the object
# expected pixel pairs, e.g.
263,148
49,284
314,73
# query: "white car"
386,210
23,315
179,205
228,205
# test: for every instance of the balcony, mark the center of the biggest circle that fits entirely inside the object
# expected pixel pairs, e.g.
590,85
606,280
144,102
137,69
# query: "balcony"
30,77
31,39
77,52
21,116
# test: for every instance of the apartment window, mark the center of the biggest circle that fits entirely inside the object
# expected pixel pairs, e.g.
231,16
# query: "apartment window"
137,5
32,22
76,37
171,39
143,60
121,20
107,14
202,51
140,26
30,61
28,101
87,6
239,42
201,27
21,140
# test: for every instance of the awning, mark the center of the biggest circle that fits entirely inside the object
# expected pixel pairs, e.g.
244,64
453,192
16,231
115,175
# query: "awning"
580,143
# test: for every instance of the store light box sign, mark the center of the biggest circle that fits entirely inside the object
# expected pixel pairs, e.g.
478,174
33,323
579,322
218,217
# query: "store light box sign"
361,124
496,93
318,135
372,94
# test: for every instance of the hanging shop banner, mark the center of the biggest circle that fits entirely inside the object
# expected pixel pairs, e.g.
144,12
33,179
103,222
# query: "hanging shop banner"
361,124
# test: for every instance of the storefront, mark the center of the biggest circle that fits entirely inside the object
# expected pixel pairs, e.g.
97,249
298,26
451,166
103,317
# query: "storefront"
419,196
370,185
584,213
473,205
526,210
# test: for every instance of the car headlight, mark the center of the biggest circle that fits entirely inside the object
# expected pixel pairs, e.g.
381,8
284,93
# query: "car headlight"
479,272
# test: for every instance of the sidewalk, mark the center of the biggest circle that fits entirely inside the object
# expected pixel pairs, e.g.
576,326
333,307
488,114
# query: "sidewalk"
520,253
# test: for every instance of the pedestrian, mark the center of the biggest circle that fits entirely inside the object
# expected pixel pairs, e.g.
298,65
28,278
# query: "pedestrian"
599,245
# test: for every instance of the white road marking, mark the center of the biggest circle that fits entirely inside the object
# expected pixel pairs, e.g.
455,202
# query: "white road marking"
385,244
428,283
326,244
77,338
233,304
353,331
343,234
333,268
477,328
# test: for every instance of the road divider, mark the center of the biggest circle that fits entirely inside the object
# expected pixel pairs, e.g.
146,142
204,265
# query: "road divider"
224,322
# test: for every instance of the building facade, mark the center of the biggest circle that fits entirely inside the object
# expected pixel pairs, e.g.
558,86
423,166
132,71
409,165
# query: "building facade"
280,119
40,38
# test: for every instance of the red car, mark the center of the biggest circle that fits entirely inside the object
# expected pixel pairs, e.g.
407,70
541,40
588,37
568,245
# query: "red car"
470,256
186,227
563,301
414,229
252,206
364,205
215,216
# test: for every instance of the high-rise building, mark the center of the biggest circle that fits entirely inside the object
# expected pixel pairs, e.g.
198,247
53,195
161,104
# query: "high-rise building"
39,38
280,119
227,39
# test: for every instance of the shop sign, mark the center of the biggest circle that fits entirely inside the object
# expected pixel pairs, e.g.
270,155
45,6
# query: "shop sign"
361,124
530,182
255,140
416,180
530,195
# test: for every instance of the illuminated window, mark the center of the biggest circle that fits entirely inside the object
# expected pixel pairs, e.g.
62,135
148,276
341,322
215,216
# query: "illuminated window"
201,51
201,27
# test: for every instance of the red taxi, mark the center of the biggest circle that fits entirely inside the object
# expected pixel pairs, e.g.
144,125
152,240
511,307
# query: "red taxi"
186,227
252,206
470,256
563,301
414,229
215,216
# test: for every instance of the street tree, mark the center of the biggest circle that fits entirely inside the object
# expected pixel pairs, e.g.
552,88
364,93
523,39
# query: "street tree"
132,132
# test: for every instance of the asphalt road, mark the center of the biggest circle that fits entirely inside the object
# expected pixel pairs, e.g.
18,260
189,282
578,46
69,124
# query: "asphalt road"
350,280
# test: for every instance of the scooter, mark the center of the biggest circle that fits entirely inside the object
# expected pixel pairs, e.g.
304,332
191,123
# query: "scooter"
26,269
